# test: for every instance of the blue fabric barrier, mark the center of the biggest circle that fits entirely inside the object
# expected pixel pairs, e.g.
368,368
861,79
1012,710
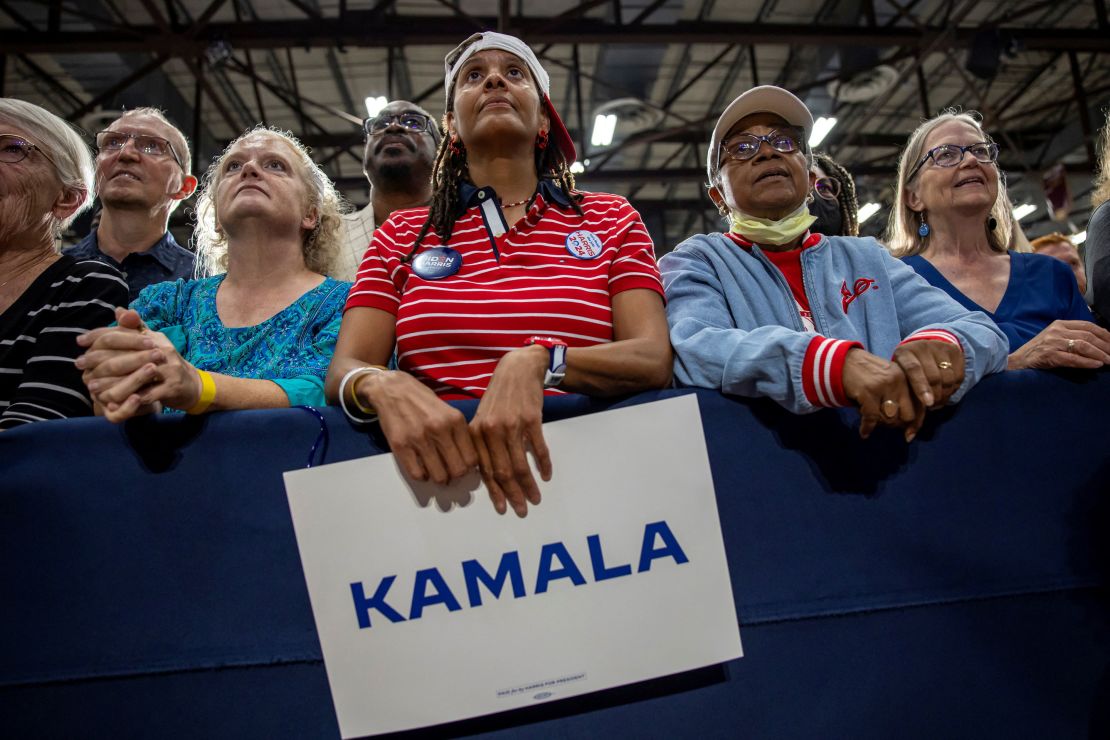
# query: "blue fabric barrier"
953,587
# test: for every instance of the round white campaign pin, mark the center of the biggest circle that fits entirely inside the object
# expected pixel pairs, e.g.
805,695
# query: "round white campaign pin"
583,245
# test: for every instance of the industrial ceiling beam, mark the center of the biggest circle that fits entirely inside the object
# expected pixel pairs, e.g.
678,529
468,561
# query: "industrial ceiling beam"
377,32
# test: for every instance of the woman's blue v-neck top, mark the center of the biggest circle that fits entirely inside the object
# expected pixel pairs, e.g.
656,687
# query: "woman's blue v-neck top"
292,348
1041,290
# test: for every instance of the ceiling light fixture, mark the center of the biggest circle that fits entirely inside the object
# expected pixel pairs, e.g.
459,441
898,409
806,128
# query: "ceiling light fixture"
604,127
821,128
868,210
1023,210
1079,238
374,105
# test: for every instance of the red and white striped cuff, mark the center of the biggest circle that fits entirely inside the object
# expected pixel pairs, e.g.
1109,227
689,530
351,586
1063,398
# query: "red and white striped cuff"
823,371
935,335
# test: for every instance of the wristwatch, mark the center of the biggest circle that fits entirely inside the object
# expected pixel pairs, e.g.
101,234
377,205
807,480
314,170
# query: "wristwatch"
557,359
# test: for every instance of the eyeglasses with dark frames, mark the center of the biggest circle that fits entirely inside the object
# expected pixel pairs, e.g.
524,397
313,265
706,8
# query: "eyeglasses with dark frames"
416,122
16,149
743,147
150,146
827,187
950,155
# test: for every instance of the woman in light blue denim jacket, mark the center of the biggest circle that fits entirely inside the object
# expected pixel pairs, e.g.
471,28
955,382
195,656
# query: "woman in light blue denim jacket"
770,309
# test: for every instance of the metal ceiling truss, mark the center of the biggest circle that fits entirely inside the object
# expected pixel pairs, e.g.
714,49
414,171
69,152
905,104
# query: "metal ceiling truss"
907,42
373,29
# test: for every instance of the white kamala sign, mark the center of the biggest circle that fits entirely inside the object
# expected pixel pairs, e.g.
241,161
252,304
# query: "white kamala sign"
432,608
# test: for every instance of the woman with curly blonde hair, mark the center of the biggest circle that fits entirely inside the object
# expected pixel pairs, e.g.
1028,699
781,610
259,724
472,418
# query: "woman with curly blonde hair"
261,332
1097,249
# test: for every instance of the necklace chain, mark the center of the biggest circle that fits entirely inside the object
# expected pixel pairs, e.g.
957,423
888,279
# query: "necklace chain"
517,203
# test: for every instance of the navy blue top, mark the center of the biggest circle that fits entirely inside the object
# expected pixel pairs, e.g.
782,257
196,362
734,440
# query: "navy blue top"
1041,290
166,260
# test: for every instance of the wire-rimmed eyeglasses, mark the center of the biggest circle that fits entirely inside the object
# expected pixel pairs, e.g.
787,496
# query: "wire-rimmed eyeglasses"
151,146
950,155
416,122
743,147
15,148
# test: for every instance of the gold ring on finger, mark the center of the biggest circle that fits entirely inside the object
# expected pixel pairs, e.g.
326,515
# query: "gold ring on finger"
1071,345
944,364
890,408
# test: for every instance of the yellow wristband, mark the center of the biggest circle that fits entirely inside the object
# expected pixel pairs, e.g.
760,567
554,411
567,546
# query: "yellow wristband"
207,393
368,370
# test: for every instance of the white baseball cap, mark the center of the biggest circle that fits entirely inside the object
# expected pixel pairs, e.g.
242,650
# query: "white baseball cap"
454,61
762,99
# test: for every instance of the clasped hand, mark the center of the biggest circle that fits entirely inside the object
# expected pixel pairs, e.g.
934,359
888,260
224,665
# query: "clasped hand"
432,440
130,370
1064,343
922,376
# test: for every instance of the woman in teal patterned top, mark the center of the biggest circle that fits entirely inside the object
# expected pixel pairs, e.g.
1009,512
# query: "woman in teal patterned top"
261,333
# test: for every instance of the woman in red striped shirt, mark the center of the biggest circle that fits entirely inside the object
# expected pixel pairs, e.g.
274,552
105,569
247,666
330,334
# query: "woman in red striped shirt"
509,286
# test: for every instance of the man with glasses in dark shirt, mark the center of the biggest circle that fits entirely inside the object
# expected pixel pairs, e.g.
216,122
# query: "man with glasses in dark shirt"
400,153
142,175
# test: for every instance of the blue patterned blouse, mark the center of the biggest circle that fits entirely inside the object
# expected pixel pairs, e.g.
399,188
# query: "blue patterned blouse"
292,348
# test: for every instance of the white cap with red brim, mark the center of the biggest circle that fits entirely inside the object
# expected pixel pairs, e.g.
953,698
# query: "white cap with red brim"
454,61
762,99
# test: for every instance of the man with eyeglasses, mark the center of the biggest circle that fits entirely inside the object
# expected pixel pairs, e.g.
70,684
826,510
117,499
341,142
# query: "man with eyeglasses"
400,153
142,175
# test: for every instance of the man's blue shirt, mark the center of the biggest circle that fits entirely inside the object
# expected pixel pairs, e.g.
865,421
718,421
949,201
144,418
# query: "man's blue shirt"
166,260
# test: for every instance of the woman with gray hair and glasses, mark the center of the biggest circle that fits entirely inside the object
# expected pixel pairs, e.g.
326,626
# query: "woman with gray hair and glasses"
46,299
810,320
951,223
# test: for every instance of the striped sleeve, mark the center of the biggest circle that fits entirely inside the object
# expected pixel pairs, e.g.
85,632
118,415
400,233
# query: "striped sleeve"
823,371
634,265
374,287
50,385
932,335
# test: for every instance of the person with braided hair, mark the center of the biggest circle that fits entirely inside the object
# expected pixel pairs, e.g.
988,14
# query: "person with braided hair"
511,285
835,204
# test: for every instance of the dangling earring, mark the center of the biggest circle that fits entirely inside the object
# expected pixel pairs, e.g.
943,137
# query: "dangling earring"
923,229
992,223
541,140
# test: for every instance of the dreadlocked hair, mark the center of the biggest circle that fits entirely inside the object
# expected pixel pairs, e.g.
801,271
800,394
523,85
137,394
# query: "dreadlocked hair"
849,205
451,170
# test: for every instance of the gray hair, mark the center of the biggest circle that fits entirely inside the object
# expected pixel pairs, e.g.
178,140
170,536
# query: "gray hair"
902,237
72,158
177,139
320,246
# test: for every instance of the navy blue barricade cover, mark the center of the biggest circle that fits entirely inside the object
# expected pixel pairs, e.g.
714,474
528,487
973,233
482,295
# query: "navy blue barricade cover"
152,568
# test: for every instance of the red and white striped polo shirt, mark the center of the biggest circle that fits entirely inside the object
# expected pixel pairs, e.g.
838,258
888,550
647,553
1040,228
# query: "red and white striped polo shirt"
513,284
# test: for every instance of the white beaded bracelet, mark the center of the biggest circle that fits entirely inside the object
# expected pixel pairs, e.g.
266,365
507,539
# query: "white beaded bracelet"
355,419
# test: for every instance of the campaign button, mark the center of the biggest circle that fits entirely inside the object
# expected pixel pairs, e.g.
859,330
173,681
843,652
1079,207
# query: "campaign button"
437,263
583,245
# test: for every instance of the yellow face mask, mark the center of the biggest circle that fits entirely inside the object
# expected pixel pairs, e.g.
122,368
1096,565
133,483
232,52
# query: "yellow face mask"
765,231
